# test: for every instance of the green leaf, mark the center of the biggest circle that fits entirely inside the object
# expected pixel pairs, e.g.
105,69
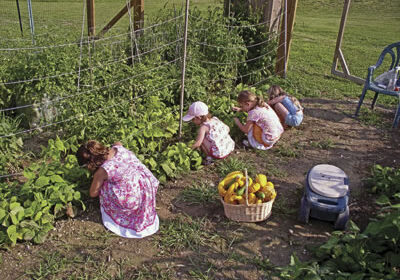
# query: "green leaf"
12,233
42,181
40,237
14,205
383,200
59,145
2,214
77,195
56,179
29,175
28,234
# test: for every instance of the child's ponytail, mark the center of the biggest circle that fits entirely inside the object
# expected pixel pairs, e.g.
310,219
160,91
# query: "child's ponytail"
248,96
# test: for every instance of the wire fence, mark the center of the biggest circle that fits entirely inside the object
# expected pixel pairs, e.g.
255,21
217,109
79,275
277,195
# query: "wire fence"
83,78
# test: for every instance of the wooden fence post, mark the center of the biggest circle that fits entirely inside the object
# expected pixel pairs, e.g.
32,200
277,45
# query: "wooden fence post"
91,21
282,57
183,67
138,15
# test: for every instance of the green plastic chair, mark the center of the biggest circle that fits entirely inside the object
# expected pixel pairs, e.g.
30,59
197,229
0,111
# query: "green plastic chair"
393,51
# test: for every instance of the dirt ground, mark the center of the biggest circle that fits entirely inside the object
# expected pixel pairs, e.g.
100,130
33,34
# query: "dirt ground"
81,248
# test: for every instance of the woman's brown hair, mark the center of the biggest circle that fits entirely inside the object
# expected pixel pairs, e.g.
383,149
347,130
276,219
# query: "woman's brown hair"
93,154
276,91
247,96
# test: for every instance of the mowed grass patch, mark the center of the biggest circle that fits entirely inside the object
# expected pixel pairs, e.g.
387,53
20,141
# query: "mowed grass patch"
58,22
314,40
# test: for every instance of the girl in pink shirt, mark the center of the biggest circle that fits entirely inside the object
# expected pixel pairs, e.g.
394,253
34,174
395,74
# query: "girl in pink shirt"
127,189
263,127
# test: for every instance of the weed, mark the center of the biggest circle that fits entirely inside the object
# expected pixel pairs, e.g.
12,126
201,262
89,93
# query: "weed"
261,263
371,117
324,144
199,194
203,274
233,164
153,272
272,170
184,233
284,150
283,207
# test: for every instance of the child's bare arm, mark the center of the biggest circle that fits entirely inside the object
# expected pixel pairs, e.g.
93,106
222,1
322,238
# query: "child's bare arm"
244,128
98,179
200,137
236,109
276,100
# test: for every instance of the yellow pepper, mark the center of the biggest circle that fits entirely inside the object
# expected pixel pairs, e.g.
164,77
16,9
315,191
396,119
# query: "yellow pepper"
227,180
230,191
234,199
254,187
252,198
261,179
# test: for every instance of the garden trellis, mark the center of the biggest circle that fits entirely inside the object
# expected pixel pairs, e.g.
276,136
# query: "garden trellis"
126,85
85,45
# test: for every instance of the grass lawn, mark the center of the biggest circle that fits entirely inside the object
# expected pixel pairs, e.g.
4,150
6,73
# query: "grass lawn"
371,25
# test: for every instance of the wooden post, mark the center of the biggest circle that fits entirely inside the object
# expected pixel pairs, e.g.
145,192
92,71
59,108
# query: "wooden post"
285,38
183,67
116,18
338,52
91,18
138,15
274,9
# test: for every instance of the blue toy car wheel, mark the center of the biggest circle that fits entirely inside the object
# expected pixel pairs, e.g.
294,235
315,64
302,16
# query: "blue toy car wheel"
342,219
304,214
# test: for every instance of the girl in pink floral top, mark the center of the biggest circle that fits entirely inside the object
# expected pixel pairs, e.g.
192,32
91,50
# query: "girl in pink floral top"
213,135
263,127
127,189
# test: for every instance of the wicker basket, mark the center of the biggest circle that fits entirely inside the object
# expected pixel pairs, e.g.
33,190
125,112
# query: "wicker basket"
248,212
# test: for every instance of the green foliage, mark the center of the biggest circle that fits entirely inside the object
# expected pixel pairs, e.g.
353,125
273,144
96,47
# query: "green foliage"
372,254
199,194
27,211
260,56
178,159
384,180
231,164
11,147
99,91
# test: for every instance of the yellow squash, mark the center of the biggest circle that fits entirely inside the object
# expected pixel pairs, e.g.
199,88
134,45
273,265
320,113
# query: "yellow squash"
261,179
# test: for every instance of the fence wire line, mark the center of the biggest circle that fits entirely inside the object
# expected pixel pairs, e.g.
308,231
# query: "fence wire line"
233,63
233,48
245,75
112,62
88,91
97,40
86,69
79,116
233,26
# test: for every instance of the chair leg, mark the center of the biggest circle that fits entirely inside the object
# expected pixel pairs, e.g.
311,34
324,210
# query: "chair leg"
361,100
396,118
374,100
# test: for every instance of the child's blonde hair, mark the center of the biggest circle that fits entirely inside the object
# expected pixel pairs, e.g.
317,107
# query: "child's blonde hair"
276,91
247,96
